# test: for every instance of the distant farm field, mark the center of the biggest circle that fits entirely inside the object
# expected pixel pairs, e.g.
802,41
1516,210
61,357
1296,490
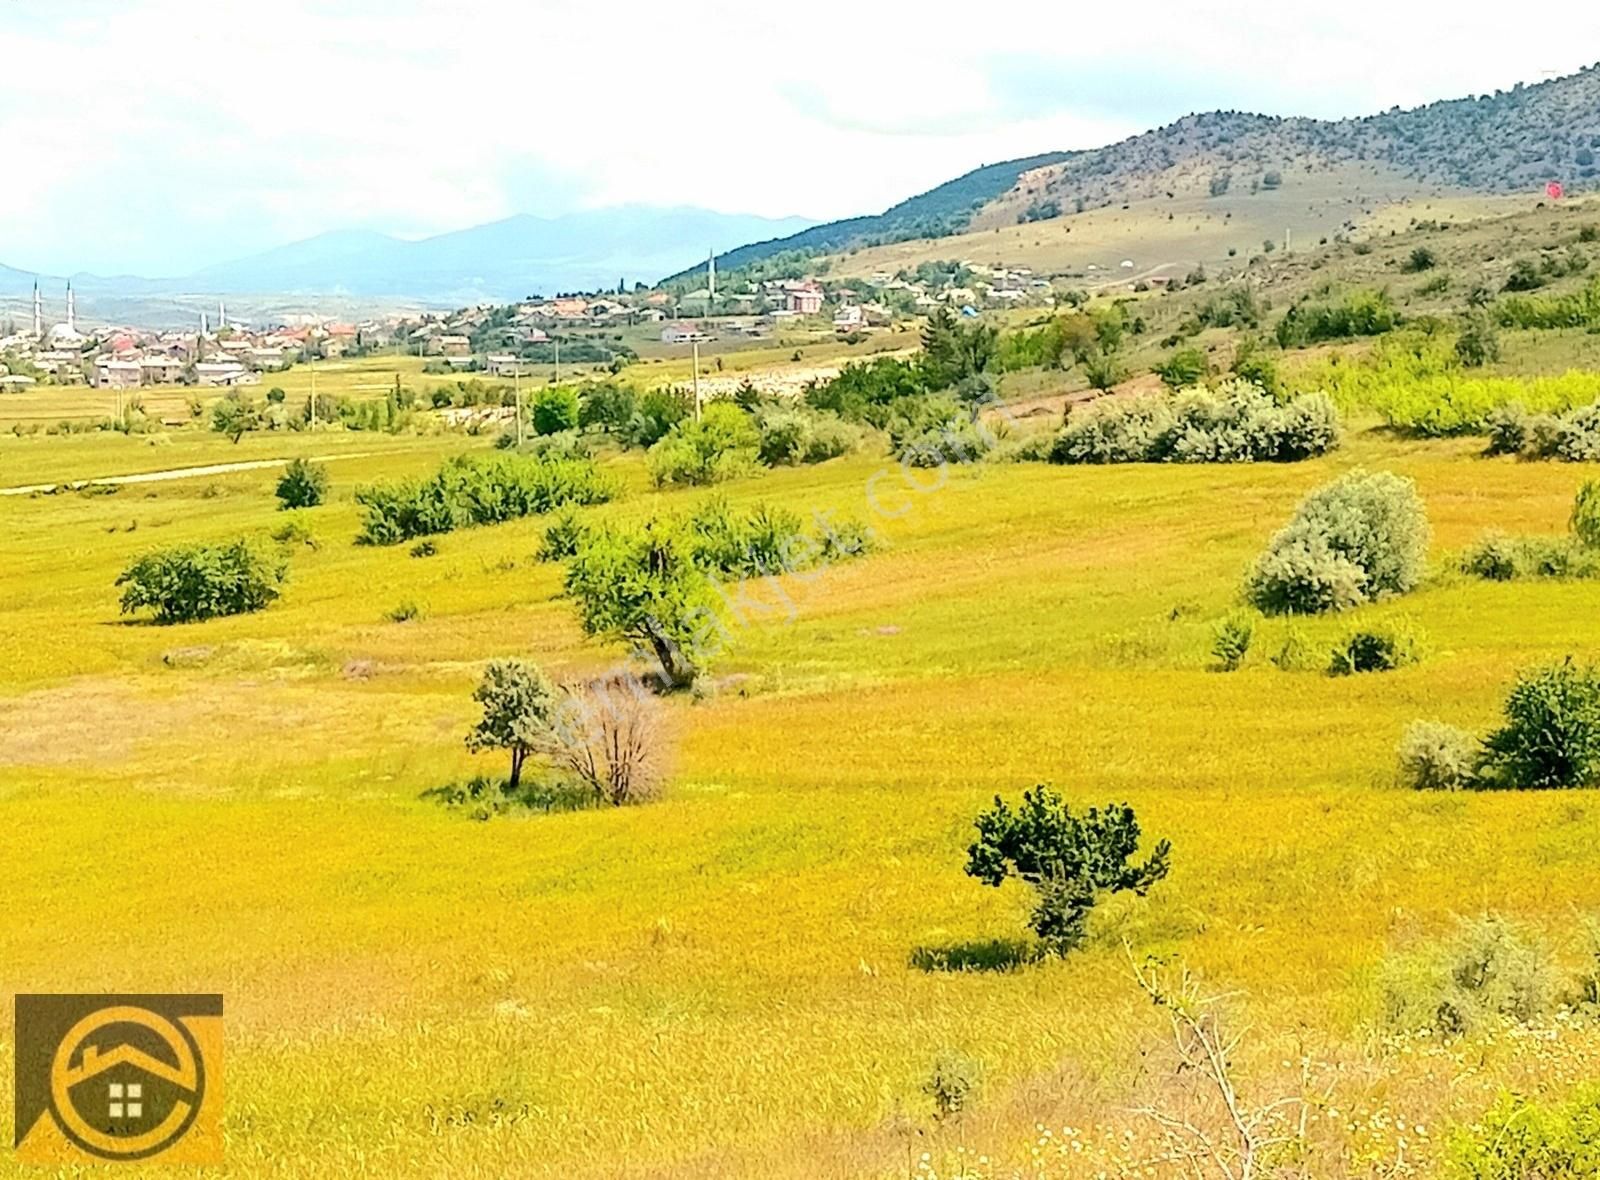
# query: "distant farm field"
734,981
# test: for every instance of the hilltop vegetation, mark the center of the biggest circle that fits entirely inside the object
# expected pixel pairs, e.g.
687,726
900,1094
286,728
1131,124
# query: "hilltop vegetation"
1510,141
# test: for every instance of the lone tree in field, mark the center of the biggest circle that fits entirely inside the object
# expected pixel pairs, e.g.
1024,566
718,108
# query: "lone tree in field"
1068,860
519,707
304,485
642,587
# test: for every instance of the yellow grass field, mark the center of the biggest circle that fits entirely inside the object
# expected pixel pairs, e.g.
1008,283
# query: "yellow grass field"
726,983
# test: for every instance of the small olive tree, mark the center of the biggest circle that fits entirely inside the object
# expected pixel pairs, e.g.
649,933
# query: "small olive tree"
519,707
1068,860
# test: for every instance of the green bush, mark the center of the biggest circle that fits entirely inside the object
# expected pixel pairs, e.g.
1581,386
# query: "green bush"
1361,313
1236,423
1375,649
478,490
563,538
1519,1139
748,545
866,391
1498,558
722,445
1585,519
1438,757
1489,971
189,583
935,430
792,435
1231,639
1551,735
1068,860
1361,538
303,485
1185,367
555,410
606,406
657,413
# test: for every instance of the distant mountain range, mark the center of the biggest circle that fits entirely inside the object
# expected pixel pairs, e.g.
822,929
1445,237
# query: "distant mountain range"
502,261
1510,141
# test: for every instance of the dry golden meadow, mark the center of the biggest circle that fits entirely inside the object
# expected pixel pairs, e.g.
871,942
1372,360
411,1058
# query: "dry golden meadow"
727,982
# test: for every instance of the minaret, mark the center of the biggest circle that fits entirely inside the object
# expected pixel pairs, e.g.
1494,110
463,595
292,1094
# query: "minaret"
711,275
38,313
72,310
222,314
205,326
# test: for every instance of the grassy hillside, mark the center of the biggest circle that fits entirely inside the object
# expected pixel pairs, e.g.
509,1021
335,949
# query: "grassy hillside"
938,212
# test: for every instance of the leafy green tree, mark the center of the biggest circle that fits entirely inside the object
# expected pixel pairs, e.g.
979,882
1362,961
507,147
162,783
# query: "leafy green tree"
1068,860
956,356
304,485
519,712
643,587
555,410
724,443
235,415
607,406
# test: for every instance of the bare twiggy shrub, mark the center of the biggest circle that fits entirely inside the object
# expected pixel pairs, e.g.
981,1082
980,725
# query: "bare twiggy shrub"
613,735
1209,1129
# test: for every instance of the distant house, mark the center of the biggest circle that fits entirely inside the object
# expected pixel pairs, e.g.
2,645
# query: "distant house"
681,334
455,345
15,383
110,373
805,300
334,347
224,373
160,370
503,364
849,319
265,358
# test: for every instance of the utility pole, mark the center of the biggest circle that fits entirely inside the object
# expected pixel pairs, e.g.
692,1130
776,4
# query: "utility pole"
558,360
313,390
697,380
516,382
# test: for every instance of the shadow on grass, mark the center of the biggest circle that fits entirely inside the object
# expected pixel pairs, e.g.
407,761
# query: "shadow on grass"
994,954
484,798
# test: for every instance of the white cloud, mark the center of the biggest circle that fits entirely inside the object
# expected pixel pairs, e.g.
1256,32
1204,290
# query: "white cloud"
159,135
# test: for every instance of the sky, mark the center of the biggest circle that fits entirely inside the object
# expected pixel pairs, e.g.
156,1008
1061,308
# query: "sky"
154,137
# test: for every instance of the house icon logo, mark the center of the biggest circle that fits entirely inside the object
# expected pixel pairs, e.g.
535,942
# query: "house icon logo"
119,1077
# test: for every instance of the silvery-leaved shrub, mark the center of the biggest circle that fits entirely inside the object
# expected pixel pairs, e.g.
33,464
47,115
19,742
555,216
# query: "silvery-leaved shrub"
1437,757
1238,422
1489,971
1579,437
1361,538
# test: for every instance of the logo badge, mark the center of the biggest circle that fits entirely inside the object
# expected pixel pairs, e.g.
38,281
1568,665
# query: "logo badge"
119,1078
